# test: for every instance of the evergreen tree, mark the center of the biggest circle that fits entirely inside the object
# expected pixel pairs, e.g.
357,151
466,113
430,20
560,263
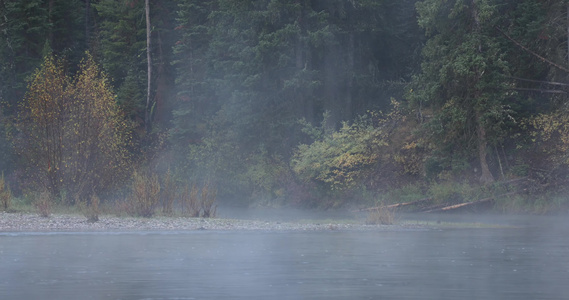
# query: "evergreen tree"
122,51
462,80
122,35
249,70
26,27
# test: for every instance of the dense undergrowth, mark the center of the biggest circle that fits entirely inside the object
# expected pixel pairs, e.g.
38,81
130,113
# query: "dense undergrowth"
146,198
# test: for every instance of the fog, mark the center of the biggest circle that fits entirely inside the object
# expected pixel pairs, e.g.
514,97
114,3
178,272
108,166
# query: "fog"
287,111
525,260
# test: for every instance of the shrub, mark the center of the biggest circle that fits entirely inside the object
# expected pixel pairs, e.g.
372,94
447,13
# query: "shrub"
406,193
145,195
207,201
43,203
168,194
91,209
380,216
450,192
67,126
5,194
203,206
342,159
189,199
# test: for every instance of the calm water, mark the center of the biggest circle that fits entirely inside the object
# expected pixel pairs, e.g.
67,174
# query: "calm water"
530,262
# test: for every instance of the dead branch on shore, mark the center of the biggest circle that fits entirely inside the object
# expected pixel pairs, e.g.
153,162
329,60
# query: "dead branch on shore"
395,205
471,203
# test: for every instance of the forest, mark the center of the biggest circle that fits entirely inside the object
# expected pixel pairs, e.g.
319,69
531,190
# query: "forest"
308,103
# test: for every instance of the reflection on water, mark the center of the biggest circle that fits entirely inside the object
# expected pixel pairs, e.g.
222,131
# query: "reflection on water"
516,263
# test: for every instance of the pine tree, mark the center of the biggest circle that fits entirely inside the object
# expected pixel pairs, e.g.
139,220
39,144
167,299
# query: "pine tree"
462,79
122,51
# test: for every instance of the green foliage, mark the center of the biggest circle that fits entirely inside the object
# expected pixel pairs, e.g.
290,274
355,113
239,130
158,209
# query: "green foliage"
551,134
462,79
26,26
451,192
550,202
122,52
341,159
122,36
8,161
23,31
406,193
248,70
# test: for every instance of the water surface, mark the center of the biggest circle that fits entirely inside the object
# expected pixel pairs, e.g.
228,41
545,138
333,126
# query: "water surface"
526,262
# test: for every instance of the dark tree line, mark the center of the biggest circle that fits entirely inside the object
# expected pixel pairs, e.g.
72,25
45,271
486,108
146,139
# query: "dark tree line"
257,96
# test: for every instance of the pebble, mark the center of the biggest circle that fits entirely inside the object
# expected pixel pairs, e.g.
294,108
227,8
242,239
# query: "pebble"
68,222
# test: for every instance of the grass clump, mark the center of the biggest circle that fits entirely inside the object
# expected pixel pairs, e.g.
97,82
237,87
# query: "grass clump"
44,203
208,209
202,206
5,194
145,195
90,208
380,216
190,203
168,194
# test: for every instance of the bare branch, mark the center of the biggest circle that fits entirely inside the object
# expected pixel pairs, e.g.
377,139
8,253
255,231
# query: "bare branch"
541,90
540,81
531,52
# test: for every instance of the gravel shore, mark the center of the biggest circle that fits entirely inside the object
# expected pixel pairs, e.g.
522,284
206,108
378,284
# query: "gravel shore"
10,222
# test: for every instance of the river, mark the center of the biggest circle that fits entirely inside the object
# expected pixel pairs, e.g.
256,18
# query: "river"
529,260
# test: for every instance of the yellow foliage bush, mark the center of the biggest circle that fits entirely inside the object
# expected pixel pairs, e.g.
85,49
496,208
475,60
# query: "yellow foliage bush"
551,133
145,194
71,132
342,158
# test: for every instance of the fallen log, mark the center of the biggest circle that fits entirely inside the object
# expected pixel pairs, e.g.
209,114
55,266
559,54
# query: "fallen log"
396,205
515,180
460,205
455,206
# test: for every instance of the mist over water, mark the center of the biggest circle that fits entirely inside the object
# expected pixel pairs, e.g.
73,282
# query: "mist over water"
528,262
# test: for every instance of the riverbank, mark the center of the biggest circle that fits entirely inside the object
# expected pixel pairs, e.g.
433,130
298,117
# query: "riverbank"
71,222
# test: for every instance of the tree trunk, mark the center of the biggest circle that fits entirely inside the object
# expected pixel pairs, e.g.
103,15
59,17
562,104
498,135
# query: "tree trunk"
50,21
87,14
486,176
350,84
163,86
147,114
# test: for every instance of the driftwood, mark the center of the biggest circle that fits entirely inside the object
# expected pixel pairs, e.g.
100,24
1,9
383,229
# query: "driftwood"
516,180
451,207
444,207
396,205
481,201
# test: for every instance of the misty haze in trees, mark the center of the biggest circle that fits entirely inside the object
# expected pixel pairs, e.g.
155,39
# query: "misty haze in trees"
300,102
